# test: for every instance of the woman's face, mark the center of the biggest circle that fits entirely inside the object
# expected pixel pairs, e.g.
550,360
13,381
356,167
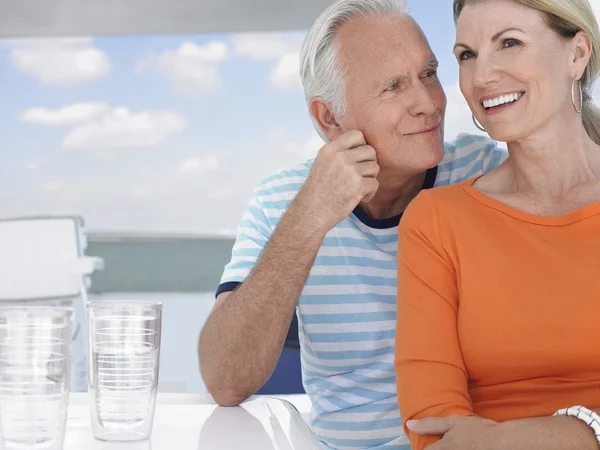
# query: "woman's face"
515,72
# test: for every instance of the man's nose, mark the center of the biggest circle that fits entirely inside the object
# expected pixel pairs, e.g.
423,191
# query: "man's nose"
422,102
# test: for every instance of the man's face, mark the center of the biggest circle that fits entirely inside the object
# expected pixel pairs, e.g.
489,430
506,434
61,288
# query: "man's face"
392,92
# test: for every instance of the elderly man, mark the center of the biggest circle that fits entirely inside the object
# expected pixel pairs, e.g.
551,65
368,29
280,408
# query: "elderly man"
320,238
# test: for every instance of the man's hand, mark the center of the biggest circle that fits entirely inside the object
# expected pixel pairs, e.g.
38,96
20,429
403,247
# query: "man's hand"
343,175
459,432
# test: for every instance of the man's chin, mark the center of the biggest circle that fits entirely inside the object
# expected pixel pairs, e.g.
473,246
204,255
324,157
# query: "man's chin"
420,155
439,156
431,157
419,164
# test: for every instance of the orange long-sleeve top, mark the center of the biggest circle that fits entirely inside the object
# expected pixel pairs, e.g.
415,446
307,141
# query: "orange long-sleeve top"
498,309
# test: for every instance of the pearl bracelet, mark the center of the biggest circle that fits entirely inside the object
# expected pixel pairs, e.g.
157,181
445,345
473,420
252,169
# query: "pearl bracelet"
582,413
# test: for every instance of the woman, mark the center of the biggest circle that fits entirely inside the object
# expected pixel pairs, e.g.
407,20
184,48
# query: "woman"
499,277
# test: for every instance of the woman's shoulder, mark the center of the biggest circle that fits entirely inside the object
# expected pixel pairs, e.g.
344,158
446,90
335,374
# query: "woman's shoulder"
440,211
440,200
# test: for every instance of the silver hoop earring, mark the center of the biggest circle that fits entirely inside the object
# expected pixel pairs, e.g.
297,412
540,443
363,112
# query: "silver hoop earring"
573,96
477,123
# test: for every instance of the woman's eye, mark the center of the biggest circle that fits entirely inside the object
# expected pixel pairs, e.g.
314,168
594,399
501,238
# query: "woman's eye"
466,55
507,43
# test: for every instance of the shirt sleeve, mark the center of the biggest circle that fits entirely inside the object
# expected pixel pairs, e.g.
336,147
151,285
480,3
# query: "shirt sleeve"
483,152
430,371
253,234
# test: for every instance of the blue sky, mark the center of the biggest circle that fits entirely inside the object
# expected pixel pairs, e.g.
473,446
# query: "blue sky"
164,133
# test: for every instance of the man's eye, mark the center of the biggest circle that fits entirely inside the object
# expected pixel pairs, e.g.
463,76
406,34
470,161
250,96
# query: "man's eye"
392,87
430,73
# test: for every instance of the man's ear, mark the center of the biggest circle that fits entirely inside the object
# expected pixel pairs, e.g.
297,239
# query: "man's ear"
582,52
322,113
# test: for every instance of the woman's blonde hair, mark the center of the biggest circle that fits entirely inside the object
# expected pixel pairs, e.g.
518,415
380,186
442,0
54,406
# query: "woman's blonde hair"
567,18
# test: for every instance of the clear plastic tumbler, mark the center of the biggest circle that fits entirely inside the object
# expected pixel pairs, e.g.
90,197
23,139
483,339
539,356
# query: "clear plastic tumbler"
35,373
124,349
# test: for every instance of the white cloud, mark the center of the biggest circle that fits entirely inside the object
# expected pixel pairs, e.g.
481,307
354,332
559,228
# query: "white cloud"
266,46
138,191
52,186
67,115
123,129
224,193
190,68
153,195
32,166
199,165
96,126
300,148
286,76
61,62
284,48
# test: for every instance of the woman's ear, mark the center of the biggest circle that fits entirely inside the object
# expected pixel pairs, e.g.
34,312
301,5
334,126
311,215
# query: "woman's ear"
582,52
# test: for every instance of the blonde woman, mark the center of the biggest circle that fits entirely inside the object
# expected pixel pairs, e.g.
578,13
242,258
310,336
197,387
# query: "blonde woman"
498,337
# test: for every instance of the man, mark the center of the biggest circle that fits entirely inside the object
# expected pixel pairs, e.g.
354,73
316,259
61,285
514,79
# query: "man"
321,238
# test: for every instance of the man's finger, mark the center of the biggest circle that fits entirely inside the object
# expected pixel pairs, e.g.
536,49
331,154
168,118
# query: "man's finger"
371,185
431,425
350,139
363,153
369,169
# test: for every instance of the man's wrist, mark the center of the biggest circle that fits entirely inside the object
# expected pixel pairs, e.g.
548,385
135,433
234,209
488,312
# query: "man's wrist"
307,217
304,224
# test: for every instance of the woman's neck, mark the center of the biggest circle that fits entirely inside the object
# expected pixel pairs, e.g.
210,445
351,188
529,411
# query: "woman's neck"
554,162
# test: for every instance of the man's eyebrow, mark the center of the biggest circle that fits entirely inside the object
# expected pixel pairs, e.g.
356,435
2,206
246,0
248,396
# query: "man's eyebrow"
494,37
432,64
399,79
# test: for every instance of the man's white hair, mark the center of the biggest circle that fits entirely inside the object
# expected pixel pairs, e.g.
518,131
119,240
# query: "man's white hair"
319,66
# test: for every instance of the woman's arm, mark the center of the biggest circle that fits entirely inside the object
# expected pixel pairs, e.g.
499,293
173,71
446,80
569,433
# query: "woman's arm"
430,371
431,374
474,433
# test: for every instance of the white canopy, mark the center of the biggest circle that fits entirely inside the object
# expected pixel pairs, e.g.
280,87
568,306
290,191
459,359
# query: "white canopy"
46,18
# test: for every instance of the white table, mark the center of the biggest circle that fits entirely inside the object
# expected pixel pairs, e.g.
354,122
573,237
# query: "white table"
196,422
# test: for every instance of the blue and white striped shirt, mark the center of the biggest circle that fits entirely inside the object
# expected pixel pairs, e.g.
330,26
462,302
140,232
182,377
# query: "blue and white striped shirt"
347,309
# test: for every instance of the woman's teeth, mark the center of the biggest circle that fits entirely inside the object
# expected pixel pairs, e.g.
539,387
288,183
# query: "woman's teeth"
502,100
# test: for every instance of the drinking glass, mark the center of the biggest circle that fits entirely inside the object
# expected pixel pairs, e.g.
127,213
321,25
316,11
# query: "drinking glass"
35,374
124,348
